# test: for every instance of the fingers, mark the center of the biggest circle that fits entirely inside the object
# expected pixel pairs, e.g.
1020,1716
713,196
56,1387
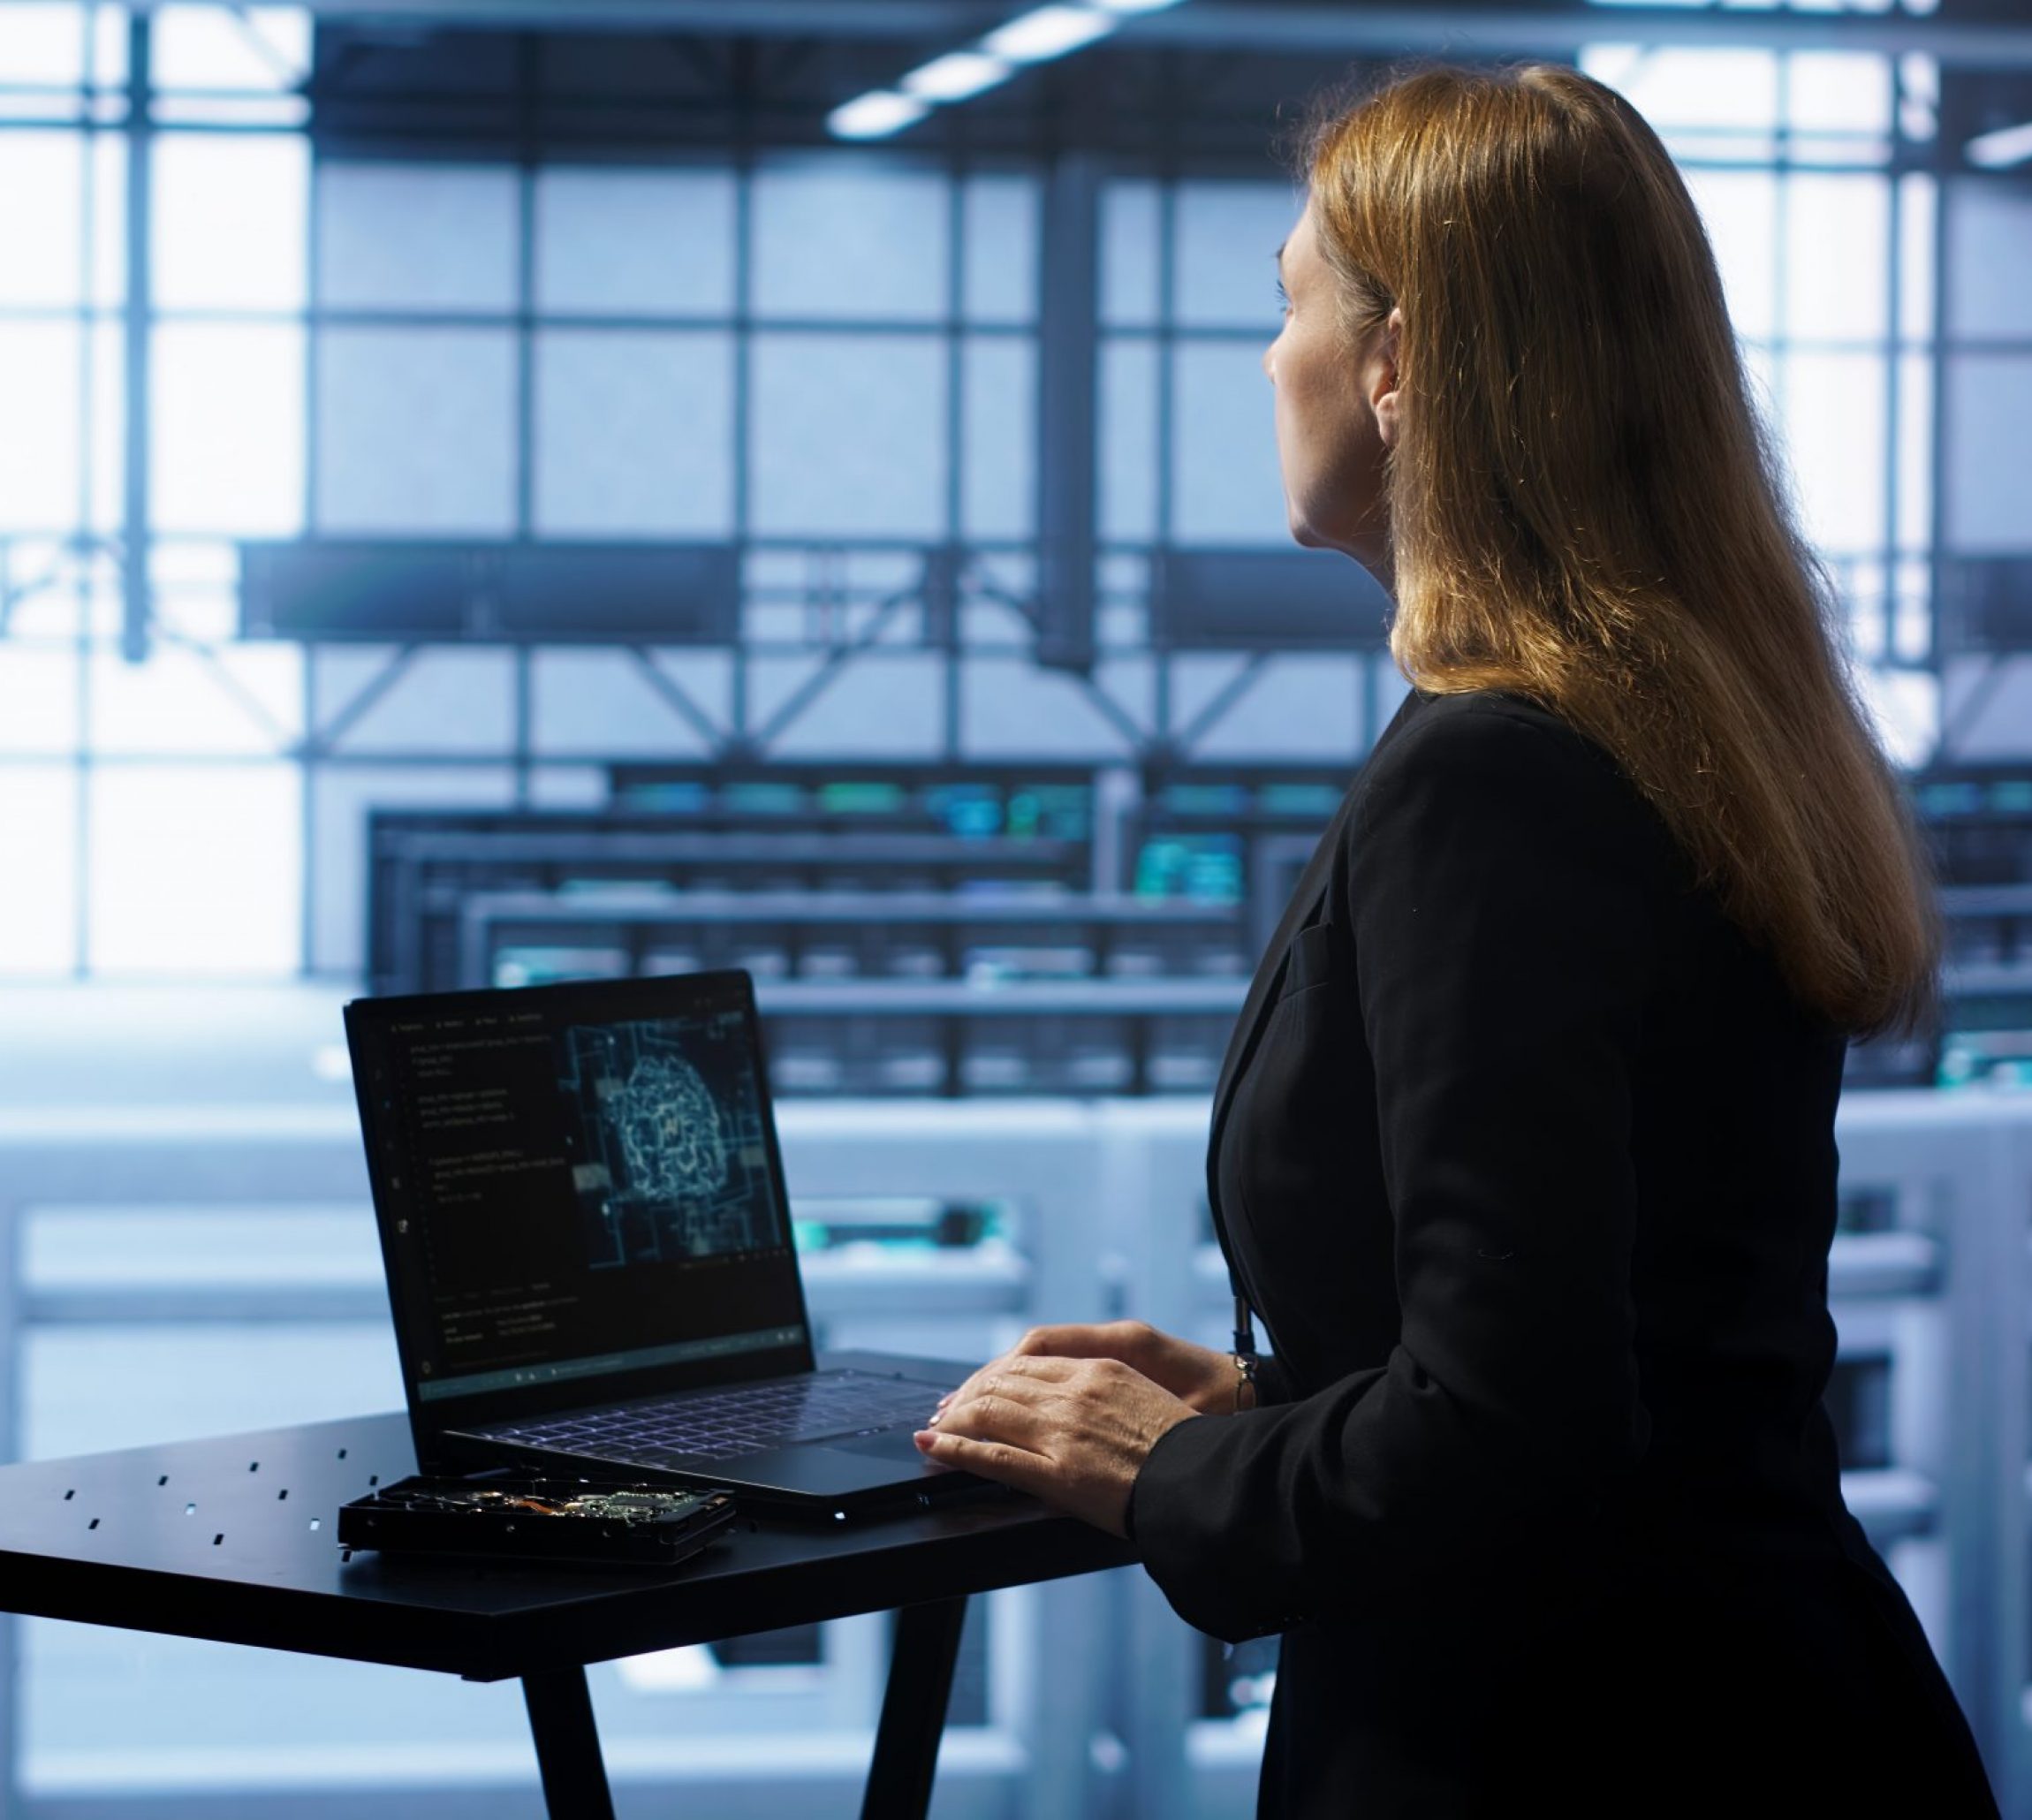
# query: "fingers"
1008,1402
991,1459
1009,1371
1041,1370
1070,1432
996,1418
971,1388
1107,1340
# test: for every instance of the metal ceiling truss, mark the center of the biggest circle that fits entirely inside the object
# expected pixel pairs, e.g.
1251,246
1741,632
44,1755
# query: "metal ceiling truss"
2000,35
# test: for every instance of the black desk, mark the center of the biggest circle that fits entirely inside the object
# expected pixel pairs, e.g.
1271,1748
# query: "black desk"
233,1540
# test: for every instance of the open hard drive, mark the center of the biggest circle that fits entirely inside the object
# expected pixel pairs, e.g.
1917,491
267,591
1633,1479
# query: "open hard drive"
550,1519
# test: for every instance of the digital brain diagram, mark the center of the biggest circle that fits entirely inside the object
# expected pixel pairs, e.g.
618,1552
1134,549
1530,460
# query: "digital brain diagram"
670,1162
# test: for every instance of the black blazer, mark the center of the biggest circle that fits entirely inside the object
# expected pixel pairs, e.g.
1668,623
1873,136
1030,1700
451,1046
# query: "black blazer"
1525,1158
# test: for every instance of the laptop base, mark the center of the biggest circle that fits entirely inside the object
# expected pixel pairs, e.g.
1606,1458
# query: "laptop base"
856,1474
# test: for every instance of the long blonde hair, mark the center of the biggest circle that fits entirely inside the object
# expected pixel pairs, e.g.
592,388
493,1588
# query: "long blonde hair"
1584,509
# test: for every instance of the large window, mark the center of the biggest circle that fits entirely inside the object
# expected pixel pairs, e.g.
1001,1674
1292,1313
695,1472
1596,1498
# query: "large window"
1803,164
1988,366
585,350
830,359
1189,301
149,818
827,358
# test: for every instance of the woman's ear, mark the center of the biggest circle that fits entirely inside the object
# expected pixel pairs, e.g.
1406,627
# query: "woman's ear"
1384,397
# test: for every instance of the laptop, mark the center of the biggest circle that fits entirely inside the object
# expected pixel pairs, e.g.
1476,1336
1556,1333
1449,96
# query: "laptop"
587,1241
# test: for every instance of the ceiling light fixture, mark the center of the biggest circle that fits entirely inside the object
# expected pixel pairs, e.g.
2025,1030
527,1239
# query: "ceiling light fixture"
956,76
875,115
2001,149
1048,32
1033,37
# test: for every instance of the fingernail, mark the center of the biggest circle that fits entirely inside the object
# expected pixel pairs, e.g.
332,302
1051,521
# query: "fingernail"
947,1398
924,1438
931,1421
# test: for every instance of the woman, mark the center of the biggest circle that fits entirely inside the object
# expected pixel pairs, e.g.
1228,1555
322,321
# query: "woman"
1523,1150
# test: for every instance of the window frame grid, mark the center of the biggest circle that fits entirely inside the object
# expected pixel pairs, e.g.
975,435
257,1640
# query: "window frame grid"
93,314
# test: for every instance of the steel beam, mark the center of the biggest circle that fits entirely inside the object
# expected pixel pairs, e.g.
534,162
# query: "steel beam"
1240,24
135,612
896,19
1068,381
1472,32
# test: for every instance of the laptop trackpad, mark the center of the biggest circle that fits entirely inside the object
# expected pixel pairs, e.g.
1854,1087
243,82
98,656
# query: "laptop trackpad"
894,1444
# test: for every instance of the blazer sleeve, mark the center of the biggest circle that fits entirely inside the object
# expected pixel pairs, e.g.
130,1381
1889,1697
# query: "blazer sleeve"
1505,889
1273,1382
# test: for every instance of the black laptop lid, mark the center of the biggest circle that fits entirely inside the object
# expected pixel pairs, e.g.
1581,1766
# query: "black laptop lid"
579,1194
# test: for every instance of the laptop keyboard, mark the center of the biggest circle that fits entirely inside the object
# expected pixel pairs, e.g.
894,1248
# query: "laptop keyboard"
736,1420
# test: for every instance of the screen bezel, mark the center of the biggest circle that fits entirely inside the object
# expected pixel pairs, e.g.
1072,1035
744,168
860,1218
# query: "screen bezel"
667,995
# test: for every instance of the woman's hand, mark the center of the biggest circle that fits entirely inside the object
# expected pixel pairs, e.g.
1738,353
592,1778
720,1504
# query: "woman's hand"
1073,1432
1193,1374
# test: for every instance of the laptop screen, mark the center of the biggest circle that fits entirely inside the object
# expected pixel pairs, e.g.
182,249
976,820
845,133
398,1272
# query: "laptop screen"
576,1183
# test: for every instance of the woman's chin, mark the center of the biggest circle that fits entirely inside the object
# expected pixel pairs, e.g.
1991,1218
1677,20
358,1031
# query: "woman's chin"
1303,532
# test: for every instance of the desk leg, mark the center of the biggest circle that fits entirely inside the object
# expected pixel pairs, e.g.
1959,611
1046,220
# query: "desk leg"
567,1746
914,1711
